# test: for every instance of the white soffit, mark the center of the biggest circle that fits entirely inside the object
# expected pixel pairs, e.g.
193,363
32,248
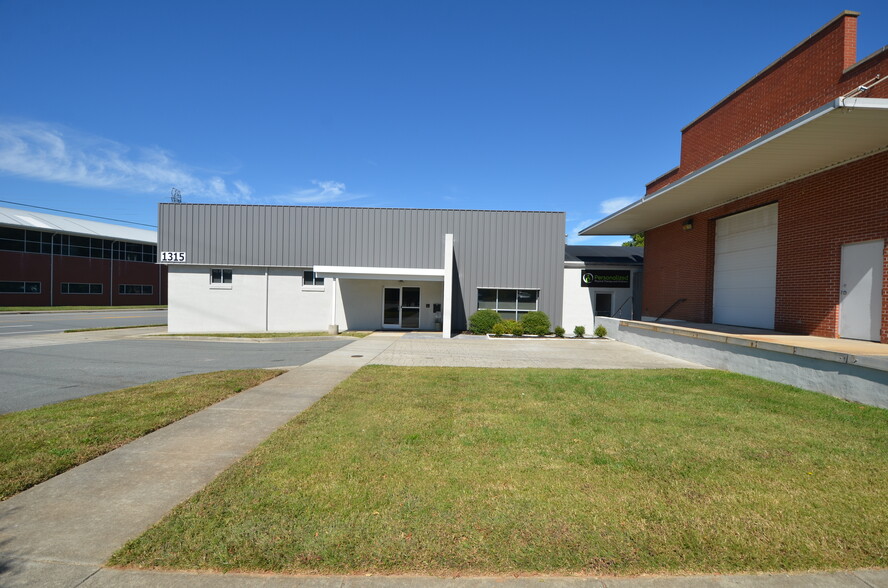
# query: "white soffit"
380,273
843,130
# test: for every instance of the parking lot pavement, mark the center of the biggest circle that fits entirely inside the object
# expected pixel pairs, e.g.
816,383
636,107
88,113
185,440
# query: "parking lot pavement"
14,325
51,368
475,351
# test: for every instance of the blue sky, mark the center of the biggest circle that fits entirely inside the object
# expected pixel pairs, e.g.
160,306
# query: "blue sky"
556,105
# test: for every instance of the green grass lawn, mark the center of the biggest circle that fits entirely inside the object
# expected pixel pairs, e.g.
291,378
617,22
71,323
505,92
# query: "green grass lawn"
526,471
43,442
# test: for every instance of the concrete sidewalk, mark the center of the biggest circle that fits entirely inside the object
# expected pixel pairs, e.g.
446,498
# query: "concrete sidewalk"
475,351
60,532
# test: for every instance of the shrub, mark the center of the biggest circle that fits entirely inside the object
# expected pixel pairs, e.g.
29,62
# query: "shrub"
579,331
482,322
513,328
600,331
559,331
536,323
499,329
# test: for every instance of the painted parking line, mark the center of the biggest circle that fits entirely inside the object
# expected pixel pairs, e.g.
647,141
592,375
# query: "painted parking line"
14,326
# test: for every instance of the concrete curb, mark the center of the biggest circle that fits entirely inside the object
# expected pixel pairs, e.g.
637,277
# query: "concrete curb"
97,577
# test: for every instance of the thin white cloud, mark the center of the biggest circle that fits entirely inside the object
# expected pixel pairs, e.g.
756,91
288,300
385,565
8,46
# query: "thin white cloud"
324,192
612,205
56,154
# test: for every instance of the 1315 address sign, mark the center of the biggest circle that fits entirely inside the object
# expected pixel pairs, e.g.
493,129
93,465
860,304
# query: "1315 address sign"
172,257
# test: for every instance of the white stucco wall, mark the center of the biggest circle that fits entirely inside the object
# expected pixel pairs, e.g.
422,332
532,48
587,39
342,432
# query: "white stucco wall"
280,302
578,307
292,306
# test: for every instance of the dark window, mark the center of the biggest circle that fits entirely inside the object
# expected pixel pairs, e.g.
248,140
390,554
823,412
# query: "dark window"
220,276
19,287
309,278
511,304
76,288
135,289
10,233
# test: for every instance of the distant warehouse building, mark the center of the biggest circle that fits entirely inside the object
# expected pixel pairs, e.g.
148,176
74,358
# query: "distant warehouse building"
306,268
51,260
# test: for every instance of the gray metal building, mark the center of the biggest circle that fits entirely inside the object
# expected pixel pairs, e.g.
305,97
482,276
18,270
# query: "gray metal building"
344,265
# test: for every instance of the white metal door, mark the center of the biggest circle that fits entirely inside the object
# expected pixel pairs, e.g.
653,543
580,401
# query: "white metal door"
860,300
745,277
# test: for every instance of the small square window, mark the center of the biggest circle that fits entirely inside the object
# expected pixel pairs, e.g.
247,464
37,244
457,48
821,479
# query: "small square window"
309,278
220,276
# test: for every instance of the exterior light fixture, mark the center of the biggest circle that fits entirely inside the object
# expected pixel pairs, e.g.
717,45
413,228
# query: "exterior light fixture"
688,224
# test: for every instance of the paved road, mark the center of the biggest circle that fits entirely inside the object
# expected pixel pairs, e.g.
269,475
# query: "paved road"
56,322
44,374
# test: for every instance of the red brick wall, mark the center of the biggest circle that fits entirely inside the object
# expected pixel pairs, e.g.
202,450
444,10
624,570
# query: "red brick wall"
35,267
816,216
807,78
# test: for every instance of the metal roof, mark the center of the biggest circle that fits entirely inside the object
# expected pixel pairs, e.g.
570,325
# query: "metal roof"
604,254
841,131
27,219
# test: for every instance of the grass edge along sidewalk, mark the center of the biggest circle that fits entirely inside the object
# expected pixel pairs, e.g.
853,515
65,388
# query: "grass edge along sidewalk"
42,442
444,471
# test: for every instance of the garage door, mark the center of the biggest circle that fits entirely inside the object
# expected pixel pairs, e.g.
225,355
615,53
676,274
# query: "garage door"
745,280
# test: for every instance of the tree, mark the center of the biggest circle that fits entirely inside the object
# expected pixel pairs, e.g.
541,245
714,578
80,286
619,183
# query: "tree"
637,240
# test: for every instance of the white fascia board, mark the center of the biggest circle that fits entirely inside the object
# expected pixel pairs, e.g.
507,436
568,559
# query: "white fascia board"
735,158
380,273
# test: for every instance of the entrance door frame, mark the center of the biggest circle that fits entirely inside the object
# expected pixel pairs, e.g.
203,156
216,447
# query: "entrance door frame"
401,308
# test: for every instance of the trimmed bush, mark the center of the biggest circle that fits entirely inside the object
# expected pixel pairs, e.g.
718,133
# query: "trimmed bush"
513,328
600,331
579,331
536,323
559,332
482,322
499,329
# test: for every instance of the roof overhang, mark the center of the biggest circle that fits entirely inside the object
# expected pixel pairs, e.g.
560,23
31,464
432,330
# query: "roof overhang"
841,131
380,273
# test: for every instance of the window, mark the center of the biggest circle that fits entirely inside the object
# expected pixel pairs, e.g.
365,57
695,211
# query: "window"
510,304
12,239
220,276
19,287
309,278
75,288
135,289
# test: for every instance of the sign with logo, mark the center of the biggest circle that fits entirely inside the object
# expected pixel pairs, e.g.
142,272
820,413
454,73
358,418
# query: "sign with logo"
604,278
172,257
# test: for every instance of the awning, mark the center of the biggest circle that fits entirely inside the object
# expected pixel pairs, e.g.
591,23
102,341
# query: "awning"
380,273
843,130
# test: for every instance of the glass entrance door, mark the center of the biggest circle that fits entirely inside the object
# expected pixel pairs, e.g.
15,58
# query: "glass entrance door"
391,308
400,308
409,308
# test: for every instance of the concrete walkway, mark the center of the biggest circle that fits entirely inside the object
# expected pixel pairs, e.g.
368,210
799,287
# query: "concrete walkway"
61,532
476,351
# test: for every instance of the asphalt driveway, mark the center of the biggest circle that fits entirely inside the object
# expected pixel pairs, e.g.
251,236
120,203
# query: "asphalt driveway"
32,376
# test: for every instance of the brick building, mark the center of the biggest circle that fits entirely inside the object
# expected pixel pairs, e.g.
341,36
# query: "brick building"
51,260
777,215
